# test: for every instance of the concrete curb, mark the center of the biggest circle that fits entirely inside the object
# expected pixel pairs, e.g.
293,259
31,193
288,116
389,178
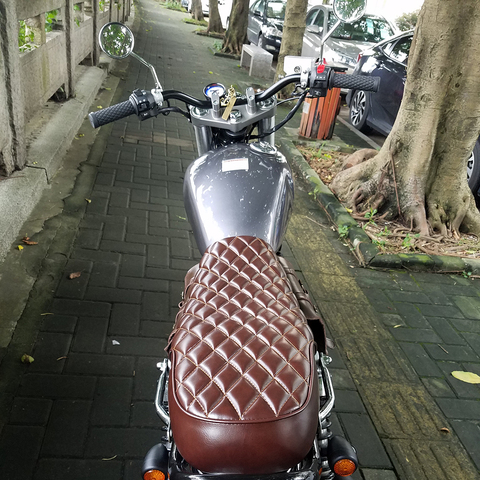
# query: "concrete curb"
20,193
367,252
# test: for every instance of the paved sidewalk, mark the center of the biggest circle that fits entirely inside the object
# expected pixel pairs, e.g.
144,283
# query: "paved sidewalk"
83,409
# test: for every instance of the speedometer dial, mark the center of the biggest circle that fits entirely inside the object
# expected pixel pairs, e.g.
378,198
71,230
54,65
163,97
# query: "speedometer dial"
214,87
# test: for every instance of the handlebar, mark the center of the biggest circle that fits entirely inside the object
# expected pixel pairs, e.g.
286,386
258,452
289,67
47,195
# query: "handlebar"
259,97
354,82
110,114
143,103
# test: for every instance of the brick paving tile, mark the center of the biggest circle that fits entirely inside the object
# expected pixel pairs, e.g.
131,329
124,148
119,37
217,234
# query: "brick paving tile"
68,420
89,394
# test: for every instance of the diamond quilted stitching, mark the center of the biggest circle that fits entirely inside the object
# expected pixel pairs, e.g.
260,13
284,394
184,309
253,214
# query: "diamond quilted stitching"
241,361
242,396
242,339
256,348
258,377
226,378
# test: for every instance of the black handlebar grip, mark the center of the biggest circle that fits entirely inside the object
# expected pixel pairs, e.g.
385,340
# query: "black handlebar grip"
110,114
355,82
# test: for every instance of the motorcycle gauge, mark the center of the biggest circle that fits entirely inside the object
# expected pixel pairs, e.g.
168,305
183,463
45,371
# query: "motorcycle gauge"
214,87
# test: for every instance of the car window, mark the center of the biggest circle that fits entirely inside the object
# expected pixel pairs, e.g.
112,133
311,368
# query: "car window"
319,20
368,29
401,49
311,17
276,10
258,6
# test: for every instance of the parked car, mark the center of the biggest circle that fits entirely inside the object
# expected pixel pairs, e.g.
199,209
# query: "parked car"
341,49
188,5
225,10
388,60
265,24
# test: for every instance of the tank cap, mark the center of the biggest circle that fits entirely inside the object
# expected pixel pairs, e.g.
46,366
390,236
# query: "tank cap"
263,147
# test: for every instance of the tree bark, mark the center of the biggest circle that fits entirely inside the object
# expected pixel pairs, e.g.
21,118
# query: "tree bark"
236,34
293,30
197,12
214,20
419,174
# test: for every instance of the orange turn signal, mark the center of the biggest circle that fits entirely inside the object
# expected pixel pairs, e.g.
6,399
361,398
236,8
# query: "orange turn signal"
154,475
344,467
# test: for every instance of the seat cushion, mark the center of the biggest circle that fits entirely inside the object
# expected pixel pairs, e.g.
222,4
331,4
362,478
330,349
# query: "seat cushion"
243,394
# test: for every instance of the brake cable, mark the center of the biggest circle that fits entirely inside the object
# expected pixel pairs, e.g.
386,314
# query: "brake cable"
289,116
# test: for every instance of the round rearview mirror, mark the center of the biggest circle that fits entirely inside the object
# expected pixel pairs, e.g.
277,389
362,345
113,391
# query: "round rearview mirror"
349,11
116,40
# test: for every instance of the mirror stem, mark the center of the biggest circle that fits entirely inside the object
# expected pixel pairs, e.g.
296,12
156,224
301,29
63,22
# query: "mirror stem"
152,69
325,38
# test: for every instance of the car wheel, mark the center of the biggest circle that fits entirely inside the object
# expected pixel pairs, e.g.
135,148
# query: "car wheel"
473,170
358,111
261,42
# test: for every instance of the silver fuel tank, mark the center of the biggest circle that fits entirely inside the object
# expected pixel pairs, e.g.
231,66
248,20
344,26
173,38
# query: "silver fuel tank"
239,189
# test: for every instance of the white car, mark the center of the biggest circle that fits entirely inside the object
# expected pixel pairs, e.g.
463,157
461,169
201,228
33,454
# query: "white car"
341,49
225,10
188,5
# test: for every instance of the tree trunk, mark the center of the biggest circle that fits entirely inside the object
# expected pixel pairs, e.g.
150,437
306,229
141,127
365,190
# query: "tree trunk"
293,30
197,12
236,34
214,20
420,172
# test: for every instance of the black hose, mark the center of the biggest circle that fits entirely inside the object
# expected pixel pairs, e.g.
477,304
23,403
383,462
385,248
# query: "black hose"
289,116
167,110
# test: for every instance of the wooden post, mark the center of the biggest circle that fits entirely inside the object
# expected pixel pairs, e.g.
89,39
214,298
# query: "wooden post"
12,121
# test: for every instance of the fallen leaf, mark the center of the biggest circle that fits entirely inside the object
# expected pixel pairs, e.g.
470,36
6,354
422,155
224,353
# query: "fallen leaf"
467,377
211,73
445,429
398,326
81,134
111,458
27,241
20,247
42,314
99,106
35,163
74,275
349,210
114,342
88,200
107,88
27,358
61,358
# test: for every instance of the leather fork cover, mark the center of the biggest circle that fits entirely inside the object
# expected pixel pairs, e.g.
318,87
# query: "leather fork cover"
243,394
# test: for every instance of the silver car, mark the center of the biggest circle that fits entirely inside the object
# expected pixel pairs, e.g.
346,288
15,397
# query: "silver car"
348,39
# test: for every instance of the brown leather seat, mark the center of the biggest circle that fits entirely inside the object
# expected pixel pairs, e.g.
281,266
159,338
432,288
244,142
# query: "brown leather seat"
243,394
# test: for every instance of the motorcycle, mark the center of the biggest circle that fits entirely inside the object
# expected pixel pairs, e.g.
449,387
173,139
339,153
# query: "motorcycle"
245,391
